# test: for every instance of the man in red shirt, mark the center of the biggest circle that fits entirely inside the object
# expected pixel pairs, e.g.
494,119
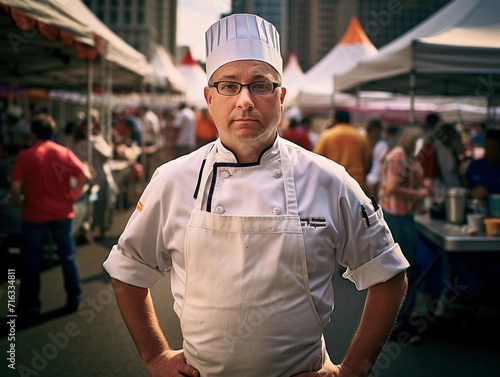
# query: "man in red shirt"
297,135
52,178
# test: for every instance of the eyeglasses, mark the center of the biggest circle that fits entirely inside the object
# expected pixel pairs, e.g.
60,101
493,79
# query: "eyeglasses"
258,88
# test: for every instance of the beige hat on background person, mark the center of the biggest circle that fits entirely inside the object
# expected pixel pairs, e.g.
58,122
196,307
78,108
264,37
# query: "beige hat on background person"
242,37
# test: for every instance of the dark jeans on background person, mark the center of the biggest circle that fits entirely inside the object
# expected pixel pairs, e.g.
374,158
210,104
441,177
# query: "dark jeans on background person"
33,237
404,232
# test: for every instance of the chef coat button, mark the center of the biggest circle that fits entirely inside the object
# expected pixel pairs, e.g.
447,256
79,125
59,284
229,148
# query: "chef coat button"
277,173
219,209
276,211
226,174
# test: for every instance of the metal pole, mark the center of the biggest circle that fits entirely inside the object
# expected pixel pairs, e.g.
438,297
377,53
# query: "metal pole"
62,117
358,109
333,97
412,98
109,94
90,79
102,83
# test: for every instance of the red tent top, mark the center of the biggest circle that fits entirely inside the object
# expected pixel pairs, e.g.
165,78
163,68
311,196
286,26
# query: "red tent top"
354,34
188,58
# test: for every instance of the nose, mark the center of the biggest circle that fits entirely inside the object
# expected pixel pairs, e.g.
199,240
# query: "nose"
245,99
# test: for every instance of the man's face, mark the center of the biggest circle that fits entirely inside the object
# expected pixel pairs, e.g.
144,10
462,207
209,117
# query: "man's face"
245,119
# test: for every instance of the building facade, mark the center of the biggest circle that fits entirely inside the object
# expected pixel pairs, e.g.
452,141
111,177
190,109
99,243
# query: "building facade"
311,28
142,23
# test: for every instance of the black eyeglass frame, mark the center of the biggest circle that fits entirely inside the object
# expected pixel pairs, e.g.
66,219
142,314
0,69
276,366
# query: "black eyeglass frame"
216,86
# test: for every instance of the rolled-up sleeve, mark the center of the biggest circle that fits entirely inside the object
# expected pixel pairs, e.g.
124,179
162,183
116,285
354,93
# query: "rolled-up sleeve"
140,257
378,270
131,271
367,247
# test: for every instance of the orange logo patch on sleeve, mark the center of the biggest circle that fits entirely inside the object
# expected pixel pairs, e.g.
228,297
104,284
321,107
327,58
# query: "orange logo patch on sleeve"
140,206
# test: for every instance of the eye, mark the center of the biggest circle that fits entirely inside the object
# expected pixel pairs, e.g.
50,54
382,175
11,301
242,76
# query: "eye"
259,86
228,86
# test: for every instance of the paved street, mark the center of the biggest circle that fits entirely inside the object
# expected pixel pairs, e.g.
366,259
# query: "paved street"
95,342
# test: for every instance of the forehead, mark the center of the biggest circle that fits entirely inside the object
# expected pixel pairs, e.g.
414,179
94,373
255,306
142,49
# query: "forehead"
245,70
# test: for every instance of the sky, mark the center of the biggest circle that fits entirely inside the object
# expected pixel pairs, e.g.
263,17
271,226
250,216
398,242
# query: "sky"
194,17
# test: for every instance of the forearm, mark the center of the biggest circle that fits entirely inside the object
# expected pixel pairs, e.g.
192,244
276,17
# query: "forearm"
379,315
83,179
406,192
15,192
138,313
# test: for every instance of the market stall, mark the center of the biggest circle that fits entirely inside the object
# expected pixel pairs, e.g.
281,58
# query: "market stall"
454,263
455,52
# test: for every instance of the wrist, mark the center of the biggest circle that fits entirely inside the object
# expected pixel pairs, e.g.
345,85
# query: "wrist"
346,370
152,358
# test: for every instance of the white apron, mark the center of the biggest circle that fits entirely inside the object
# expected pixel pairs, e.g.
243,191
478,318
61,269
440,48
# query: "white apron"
247,309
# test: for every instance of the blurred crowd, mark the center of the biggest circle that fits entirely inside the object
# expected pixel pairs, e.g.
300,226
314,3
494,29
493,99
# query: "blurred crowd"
447,154
140,139
121,158
405,168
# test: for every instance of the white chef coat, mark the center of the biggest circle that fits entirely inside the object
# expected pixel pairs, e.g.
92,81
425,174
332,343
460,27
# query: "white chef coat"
329,204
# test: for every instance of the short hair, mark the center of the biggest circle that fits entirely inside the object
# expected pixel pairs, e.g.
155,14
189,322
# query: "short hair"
432,119
373,124
43,126
342,116
392,130
494,134
293,123
306,120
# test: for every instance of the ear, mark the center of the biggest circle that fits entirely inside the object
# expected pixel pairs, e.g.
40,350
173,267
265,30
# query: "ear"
208,98
208,95
282,99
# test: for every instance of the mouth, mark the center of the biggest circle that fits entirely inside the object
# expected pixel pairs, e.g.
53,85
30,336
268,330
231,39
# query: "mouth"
245,120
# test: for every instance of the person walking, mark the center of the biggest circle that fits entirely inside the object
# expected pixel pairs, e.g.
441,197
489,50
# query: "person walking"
296,134
184,131
44,173
380,146
251,227
345,145
482,177
401,192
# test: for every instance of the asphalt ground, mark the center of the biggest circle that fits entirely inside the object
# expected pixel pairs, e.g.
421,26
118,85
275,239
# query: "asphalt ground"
94,341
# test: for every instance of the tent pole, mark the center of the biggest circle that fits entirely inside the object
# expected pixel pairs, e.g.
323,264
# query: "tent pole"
102,83
90,78
412,98
333,97
358,108
109,110
62,117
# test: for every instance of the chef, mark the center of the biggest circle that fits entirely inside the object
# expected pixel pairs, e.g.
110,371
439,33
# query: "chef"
250,227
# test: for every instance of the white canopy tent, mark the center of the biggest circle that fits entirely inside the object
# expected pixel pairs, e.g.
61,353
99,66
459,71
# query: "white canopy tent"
317,86
49,44
59,45
166,74
455,52
292,79
123,57
195,78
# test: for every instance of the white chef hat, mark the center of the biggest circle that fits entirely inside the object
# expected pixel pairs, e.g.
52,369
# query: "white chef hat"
242,37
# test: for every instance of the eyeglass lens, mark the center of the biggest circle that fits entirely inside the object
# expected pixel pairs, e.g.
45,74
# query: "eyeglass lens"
231,88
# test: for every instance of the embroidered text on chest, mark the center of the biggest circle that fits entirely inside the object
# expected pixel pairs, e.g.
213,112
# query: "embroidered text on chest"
313,222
